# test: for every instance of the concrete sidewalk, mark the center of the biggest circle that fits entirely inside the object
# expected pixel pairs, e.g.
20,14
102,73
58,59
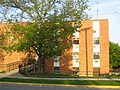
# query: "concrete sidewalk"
66,78
16,74
13,73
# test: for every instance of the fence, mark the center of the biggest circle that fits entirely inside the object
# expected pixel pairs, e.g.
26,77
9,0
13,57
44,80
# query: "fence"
28,68
9,67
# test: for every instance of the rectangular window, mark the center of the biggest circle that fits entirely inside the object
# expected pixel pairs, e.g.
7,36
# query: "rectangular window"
56,61
96,40
96,25
75,70
75,40
94,31
75,53
56,70
96,56
76,58
76,34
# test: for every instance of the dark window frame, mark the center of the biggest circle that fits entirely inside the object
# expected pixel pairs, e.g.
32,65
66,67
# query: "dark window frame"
75,70
56,70
96,40
96,56
75,40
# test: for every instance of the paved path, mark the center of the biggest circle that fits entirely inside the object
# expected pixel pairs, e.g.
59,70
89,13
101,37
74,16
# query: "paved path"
11,74
15,74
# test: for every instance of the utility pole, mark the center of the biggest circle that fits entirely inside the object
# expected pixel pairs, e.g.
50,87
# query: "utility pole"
97,9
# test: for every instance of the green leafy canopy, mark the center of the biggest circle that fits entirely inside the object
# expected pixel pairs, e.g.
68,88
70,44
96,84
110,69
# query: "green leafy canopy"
114,54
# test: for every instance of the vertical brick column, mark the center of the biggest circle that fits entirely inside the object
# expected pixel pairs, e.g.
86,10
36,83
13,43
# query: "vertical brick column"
86,48
90,48
104,47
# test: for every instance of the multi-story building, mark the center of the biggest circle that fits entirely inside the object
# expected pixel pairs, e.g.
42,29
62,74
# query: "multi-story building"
89,54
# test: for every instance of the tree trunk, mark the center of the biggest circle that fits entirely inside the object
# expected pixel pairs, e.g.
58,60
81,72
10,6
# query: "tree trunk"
40,65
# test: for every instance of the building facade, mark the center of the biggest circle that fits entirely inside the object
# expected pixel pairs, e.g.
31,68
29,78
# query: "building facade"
89,54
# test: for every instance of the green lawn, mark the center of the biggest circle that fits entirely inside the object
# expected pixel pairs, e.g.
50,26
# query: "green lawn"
65,76
65,82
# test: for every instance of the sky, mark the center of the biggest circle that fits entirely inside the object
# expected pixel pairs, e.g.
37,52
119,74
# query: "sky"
107,9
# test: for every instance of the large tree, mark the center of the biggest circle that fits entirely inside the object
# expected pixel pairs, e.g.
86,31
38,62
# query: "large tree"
114,55
48,26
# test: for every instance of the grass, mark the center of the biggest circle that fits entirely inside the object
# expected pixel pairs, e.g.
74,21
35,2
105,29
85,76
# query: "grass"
65,76
52,76
64,82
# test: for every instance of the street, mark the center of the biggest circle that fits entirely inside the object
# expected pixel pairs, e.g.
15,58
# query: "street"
43,87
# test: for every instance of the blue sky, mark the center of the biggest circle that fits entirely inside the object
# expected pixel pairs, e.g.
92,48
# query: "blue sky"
108,9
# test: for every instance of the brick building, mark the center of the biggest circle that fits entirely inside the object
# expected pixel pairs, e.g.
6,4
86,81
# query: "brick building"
8,61
88,56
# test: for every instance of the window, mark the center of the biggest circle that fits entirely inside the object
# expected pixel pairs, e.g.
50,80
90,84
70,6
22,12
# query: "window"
75,70
77,46
94,31
75,53
56,70
96,40
96,25
56,59
76,34
96,61
75,40
96,56
76,58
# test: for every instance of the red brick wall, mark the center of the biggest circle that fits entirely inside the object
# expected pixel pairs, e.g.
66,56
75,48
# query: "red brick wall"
12,57
104,47
86,45
9,58
66,62
48,66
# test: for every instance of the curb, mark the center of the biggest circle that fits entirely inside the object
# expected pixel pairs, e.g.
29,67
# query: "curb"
67,85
